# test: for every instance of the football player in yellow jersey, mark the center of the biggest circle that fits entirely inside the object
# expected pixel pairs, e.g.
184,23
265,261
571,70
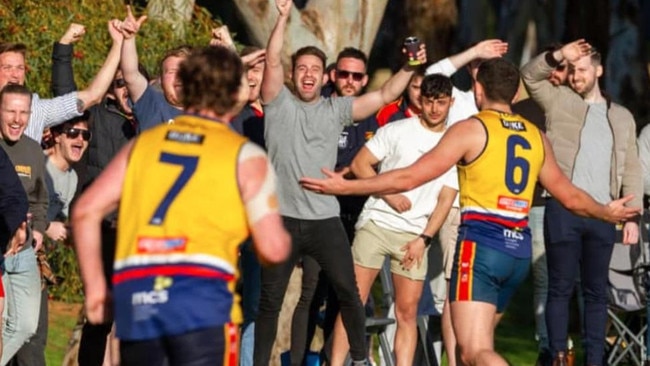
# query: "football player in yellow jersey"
189,193
466,143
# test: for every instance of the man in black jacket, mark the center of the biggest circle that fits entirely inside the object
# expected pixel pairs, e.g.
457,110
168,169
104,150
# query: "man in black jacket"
112,125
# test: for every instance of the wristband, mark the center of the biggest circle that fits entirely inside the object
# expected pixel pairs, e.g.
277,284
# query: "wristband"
427,239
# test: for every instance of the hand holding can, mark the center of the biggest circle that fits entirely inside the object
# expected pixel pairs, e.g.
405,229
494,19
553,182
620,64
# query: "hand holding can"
412,45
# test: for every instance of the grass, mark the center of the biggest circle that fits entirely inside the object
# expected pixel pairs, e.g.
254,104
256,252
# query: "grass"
62,319
515,335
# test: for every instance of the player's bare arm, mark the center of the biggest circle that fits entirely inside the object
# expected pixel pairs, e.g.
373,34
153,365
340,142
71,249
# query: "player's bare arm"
577,200
257,183
463,141
101,198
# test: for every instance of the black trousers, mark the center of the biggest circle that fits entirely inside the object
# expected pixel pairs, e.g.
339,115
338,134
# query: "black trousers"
326,242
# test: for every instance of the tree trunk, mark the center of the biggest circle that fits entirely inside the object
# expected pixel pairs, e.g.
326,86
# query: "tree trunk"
176,12
330,25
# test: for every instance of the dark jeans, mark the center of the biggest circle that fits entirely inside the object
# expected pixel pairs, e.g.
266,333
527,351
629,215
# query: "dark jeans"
92,345
303,322
573,243
326,242
251,273
205,347
32,353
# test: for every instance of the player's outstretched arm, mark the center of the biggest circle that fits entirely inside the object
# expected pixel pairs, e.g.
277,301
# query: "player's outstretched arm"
100,199
575,199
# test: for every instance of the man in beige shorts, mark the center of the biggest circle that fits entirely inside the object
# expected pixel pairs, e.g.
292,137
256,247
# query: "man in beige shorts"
402,226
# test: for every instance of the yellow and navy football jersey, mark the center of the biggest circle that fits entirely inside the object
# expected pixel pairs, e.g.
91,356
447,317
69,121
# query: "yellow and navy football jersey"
181,221
496,189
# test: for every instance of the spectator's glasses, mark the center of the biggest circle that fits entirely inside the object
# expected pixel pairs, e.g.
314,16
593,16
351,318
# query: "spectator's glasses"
119,83
73,133
560,67
344,74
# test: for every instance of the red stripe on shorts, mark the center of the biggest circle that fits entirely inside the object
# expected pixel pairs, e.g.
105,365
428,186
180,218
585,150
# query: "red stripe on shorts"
232,345
465,265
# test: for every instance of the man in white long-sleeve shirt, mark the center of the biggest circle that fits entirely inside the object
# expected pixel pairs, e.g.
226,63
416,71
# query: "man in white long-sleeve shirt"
50,112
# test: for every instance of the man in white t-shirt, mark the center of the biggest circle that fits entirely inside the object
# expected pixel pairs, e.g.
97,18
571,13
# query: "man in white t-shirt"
402,226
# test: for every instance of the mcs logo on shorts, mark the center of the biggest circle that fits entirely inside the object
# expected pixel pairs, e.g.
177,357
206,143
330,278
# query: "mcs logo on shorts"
513,234
159,295
149,297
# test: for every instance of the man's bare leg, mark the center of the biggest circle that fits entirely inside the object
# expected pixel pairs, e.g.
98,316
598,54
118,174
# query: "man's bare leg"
340,346
473,323
407,297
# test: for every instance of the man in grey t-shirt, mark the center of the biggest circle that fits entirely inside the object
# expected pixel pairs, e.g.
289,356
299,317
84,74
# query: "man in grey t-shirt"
301,133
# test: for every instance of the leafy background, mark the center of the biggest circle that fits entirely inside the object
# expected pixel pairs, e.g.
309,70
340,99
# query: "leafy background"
38,24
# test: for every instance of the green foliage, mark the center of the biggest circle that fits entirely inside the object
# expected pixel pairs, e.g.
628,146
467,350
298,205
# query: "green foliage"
63,260
38,24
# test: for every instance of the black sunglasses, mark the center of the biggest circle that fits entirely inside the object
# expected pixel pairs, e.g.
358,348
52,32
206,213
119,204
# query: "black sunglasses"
119,83
560,67
73,133
344,74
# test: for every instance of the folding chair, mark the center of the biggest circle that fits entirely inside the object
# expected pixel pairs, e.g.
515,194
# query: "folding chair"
628,276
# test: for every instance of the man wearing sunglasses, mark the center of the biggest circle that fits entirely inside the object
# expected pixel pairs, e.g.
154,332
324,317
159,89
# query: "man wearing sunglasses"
70,142
113,125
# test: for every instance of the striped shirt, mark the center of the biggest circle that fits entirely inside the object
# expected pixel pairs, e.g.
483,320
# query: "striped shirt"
50,112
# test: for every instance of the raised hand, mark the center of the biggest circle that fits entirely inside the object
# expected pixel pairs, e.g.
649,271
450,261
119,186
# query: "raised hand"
131,25
254,58
115,30
73,34
490,48
221,37
575,50
421,56
284,7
